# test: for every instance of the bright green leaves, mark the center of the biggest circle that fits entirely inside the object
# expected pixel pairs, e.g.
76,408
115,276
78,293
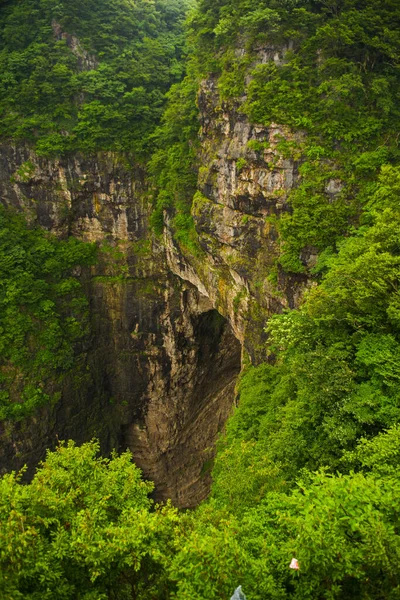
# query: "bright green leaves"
361,286
84,527
43,312
218,550
342,529
340,86
379,455
347,544
209,558
349,80
336,373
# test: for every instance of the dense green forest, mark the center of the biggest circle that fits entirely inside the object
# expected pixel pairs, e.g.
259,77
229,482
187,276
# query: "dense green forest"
309,465
88,75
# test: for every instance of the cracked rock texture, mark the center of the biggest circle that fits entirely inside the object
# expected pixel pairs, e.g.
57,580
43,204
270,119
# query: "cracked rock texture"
244,182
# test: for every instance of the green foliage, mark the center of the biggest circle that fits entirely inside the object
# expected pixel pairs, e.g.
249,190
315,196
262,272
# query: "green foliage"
311,455
347,543
336,375
43,313
83,528
172,165
309,464
342,529
195,568
88,75
241,163
339,85
334,386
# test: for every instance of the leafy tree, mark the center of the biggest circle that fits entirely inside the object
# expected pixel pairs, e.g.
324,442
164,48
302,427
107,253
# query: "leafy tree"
83,528
336,372
43,313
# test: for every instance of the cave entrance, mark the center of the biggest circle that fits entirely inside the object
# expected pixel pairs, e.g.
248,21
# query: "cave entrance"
208,400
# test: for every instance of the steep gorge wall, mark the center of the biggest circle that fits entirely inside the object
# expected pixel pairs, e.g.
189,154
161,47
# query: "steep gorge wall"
169,329
244,183
161,364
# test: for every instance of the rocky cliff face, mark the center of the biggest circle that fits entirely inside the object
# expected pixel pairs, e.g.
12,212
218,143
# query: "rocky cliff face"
168,328
162,363
244,182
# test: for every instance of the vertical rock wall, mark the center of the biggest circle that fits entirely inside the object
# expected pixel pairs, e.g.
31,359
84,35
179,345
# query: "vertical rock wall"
161,363
168,328
244,182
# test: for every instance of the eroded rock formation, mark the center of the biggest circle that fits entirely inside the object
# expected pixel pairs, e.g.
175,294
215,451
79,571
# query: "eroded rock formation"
244,182
162,363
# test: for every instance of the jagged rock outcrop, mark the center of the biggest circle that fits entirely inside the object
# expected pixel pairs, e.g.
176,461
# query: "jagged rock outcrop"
86,61
244,182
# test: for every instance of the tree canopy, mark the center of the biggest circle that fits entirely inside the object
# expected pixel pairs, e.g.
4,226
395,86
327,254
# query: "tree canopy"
83,528
88,75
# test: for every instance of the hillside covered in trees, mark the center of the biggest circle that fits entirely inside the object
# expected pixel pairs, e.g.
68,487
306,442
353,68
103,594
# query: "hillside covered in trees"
308,465
87,75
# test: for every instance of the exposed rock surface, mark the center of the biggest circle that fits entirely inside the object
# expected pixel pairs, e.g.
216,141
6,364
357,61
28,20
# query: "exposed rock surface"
244,183
165,351
162,364
86,61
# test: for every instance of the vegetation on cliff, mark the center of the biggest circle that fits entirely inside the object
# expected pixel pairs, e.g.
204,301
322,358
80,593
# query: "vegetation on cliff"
43,314
327,70
312,441
308,467
173,163
85,528
74,76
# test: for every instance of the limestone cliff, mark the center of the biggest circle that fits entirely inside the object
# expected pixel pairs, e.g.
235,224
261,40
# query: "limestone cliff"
244,182
162,363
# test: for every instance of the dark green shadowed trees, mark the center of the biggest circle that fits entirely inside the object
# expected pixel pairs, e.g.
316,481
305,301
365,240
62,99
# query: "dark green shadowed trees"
87,75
